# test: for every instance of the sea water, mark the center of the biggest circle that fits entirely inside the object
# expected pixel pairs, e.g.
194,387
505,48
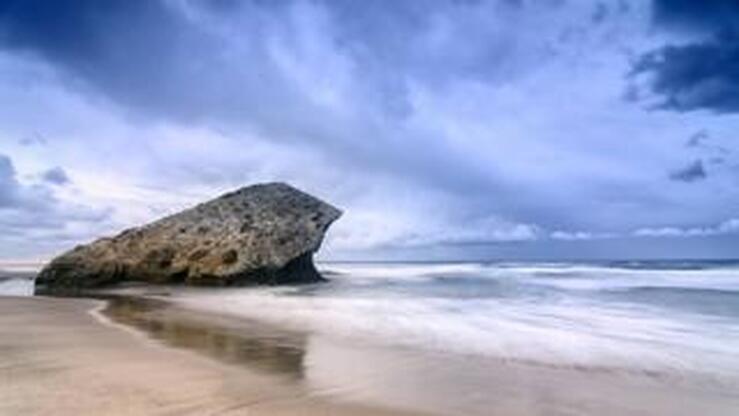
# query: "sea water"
17,280
579,338
652,317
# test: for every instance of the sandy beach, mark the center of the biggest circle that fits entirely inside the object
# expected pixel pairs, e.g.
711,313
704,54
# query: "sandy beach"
166,350
58,358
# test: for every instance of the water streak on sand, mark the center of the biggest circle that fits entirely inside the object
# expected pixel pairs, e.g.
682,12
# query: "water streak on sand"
241,342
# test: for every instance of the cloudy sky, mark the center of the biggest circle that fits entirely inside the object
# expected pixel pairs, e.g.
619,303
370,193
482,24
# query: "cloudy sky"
445,130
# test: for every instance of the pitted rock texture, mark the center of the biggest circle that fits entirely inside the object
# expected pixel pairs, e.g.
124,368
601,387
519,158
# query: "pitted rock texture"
260,234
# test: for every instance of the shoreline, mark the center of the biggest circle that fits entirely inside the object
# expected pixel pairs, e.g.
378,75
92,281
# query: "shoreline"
140,351
60,357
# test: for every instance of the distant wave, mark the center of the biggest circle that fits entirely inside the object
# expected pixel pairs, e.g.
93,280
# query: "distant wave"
569,276
17,278
16,286
11,267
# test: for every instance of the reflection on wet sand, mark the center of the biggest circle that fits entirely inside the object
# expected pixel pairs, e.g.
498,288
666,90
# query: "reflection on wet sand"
232,341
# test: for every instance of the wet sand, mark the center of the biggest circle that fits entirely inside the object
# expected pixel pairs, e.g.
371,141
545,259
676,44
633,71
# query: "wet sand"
56,357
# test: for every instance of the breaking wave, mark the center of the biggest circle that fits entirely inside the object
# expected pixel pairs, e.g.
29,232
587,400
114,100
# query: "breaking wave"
651,318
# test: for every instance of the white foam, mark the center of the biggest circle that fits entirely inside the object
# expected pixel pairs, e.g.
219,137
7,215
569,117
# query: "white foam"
400,270
576,334
621,279
16,287
559,275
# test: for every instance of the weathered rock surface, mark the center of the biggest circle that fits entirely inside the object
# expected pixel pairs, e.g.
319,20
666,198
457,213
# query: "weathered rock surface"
260,234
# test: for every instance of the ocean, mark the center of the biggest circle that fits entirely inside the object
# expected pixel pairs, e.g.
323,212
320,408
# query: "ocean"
651,317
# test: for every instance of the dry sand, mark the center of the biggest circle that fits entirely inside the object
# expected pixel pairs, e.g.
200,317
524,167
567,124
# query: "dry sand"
58,358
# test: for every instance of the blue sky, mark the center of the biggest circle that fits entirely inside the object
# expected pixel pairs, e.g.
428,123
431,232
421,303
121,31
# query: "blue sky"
445,129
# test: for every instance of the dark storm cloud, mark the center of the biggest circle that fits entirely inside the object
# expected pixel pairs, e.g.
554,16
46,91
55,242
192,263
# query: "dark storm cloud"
703,74
708,15
158,58
697,76
117,45
34,139
8,183
440,103
702,142
697,139
692,173
56,176
217,63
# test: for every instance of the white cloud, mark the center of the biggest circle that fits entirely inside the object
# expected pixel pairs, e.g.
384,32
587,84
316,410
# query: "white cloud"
33,219
730,226
580,235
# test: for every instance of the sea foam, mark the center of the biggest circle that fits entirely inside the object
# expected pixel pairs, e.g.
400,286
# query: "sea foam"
554,315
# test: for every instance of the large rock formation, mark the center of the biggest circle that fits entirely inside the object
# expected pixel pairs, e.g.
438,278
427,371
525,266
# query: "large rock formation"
261,234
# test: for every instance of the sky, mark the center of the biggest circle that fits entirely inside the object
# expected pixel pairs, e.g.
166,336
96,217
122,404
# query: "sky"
445,130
